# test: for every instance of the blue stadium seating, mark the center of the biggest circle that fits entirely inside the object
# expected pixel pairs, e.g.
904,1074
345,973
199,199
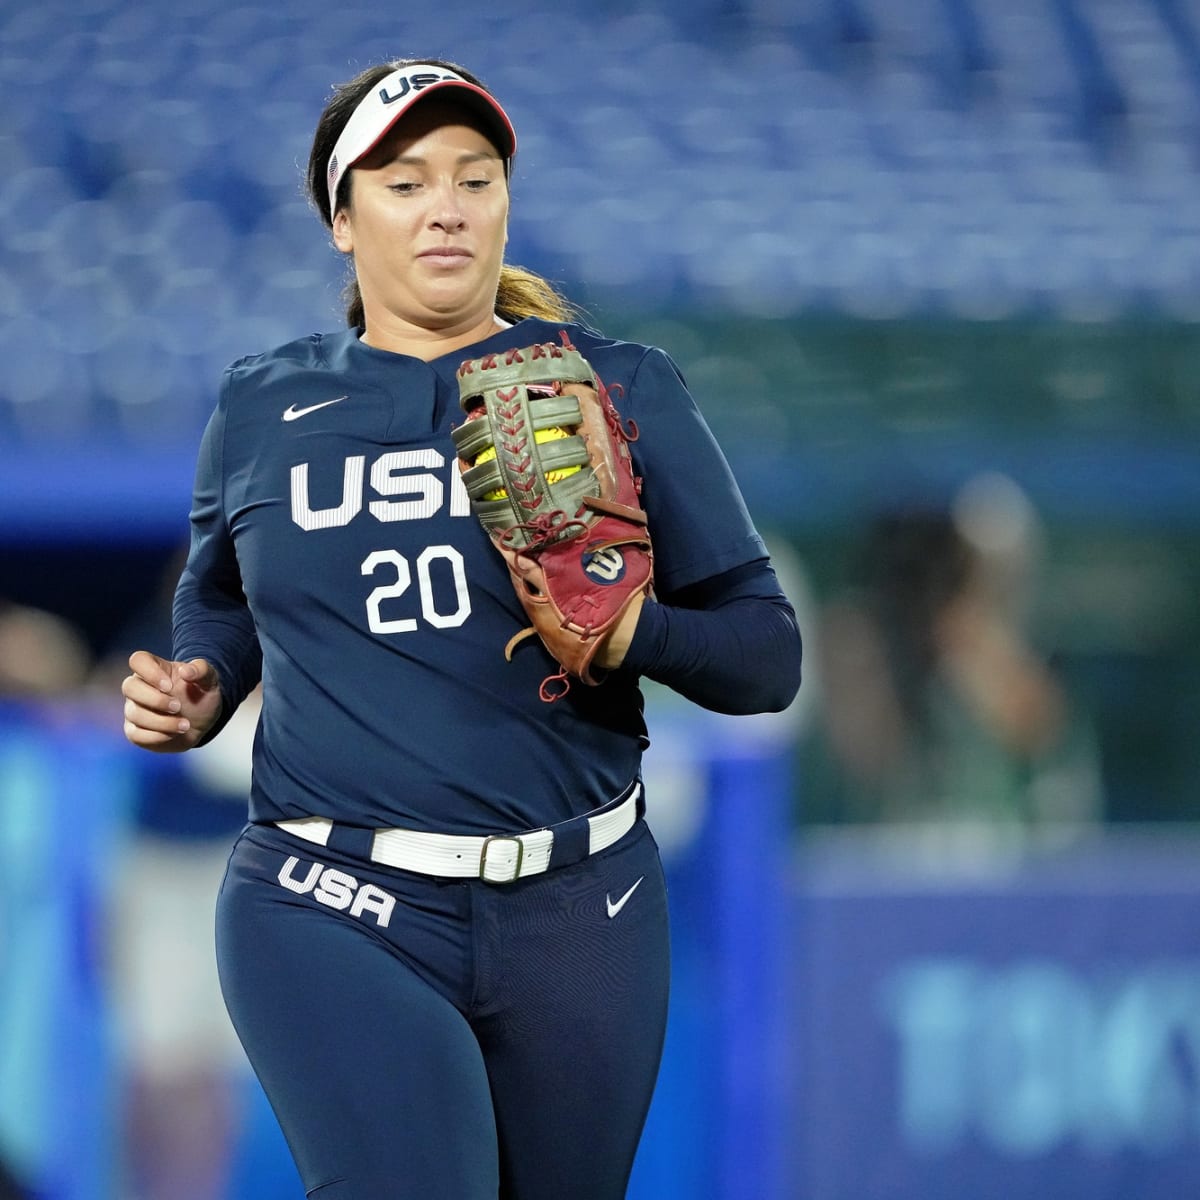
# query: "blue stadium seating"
763,157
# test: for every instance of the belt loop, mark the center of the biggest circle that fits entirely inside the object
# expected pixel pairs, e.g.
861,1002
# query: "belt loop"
351,839
571,843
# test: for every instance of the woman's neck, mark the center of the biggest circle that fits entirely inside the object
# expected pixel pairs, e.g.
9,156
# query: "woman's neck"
400,337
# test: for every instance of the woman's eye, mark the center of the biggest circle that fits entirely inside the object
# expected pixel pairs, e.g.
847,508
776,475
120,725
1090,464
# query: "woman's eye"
477,185
404,187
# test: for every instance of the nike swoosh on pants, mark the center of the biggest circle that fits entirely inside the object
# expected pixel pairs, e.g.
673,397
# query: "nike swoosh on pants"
613,909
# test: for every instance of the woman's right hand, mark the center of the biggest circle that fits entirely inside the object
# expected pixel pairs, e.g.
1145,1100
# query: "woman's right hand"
169,706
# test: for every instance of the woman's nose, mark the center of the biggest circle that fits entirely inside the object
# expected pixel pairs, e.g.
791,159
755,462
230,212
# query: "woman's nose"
447,212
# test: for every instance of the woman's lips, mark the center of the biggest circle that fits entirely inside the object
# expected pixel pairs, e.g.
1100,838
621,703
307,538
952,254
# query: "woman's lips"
445,256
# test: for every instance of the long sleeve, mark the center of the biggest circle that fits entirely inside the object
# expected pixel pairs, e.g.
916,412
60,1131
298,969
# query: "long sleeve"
729,643
211,618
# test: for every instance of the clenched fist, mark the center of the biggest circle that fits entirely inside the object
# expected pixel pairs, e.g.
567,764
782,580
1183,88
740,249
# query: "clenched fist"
169,706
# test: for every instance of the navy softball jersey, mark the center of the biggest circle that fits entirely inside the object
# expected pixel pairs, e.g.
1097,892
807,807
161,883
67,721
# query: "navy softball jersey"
327,490
420,1035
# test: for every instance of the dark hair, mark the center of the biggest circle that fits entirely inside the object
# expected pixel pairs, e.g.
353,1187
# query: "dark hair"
914,563
521,293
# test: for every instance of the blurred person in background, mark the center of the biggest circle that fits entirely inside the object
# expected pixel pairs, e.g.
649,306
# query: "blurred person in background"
182,1070
42,655
937,707
427,1017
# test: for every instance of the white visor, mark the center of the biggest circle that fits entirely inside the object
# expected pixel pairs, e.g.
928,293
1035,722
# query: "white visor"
391,98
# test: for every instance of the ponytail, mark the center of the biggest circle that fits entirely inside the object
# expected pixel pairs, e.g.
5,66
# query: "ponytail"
523,294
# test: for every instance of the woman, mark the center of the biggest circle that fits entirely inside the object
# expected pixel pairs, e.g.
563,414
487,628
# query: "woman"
422,1026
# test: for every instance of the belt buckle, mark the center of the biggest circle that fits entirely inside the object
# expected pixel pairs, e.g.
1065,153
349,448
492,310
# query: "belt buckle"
488,843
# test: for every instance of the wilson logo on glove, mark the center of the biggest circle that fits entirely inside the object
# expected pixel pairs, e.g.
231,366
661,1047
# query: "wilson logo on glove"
545,460
606,565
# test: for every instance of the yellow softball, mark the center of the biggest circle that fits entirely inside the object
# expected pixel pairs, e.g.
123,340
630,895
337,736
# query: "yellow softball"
542,435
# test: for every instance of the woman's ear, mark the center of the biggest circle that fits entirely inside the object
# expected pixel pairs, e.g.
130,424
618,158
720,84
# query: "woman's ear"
343,233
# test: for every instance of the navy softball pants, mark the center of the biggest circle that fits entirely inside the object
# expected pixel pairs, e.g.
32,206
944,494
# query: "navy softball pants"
449,1039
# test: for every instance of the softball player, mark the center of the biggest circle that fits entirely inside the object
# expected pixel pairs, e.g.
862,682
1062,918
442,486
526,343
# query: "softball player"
442,936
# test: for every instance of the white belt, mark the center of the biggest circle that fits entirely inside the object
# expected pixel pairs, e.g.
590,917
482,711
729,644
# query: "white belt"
500,858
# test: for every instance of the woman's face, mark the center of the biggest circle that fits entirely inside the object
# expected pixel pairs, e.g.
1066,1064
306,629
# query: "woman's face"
427,222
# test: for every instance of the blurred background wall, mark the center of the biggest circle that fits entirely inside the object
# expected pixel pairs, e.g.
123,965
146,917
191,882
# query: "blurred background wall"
932,270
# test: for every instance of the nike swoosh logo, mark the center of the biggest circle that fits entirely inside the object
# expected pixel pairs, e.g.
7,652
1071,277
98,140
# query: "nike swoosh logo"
292,413
613,909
